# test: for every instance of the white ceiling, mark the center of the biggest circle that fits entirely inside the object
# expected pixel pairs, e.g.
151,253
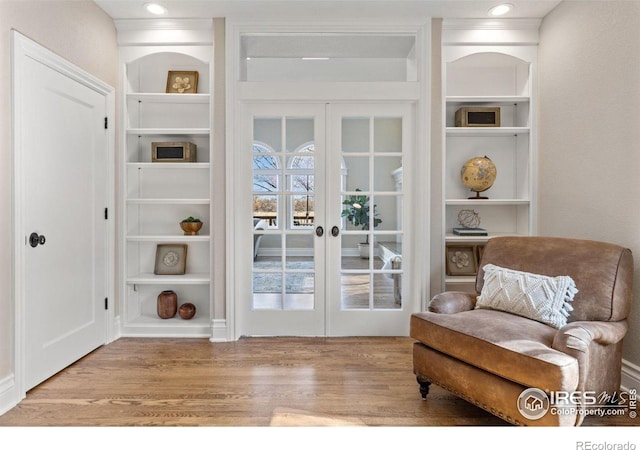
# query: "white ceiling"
326,9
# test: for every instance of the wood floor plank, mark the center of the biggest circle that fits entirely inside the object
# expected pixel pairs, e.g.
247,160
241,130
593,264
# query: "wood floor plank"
251,382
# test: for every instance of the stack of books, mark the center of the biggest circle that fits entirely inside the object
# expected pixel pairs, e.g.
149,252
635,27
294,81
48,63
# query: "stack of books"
463,231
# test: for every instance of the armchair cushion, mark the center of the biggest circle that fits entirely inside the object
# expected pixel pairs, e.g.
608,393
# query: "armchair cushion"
504,344
538,297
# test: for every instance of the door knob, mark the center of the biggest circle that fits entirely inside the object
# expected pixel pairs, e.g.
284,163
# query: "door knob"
319,231
335,231
35,239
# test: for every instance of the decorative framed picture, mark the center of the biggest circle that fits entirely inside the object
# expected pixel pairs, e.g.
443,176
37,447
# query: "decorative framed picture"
171,259
182,82
460,260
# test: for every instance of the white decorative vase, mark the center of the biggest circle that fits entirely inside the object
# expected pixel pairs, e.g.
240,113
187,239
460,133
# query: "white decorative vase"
364,250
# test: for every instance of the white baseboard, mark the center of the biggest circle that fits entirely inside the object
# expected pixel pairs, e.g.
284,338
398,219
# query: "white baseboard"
219,332
9,396
630,376
116,332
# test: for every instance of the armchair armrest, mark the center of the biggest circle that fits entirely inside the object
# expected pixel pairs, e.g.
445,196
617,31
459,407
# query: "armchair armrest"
580,339
577,336
452,302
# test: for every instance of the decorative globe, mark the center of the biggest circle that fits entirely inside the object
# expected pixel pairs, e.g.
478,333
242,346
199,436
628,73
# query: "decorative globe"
478,174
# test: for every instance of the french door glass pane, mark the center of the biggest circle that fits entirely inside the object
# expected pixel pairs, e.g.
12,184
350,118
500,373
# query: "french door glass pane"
355,134
387,135
283,204
371,202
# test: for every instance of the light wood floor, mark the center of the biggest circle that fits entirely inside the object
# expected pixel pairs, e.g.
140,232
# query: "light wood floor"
252,382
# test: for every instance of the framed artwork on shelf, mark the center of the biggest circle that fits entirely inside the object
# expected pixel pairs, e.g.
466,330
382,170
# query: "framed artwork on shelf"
460,260
171,259
182,82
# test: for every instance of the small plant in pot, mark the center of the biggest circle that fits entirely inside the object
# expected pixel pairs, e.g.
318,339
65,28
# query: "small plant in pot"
191,226
358,212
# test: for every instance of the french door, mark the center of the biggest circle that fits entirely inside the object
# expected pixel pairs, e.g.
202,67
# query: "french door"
320,230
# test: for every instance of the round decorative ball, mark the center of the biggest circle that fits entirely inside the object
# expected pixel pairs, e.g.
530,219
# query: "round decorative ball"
187,311
478,174
468,218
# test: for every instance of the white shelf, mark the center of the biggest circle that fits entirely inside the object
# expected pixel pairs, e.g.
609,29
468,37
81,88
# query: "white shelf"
146,326
167,238
494,100
450,237
168,165
486,202
486,131
168,201
169,131
169,98
189,278
465,279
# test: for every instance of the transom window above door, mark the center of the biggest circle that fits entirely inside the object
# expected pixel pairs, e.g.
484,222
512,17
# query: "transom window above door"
328,57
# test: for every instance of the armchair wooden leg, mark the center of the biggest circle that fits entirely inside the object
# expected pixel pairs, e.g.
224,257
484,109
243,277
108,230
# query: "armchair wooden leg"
424,386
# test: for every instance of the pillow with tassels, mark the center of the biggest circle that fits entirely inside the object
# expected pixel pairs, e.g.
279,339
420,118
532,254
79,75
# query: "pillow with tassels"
538,297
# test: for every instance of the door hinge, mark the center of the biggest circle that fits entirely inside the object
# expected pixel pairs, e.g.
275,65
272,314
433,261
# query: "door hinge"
106,303
106,123
106,214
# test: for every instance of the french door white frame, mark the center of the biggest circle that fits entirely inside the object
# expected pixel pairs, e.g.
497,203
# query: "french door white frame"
375,320
417,93
327,318
306,322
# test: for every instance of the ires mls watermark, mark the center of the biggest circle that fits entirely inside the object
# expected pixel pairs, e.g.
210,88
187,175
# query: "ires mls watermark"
534,403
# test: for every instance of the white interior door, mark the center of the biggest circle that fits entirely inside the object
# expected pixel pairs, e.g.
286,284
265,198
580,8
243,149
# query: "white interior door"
368,268
280,210
309,163
61,196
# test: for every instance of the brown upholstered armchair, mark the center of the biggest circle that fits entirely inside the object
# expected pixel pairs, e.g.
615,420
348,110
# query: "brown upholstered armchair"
490,357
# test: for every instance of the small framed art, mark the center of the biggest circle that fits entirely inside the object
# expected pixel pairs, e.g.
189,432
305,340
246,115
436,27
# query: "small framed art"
460,260
171,259
182,82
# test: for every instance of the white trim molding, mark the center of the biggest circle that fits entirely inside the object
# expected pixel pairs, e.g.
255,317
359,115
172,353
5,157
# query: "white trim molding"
9,396
219,331
164,32
490,31
630,376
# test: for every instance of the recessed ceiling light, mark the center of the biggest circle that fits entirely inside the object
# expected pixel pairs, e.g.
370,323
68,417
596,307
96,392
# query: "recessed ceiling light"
501,10
155,8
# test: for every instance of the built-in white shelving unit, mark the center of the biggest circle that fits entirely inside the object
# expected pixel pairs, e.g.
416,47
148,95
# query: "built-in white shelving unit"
156,196
497,73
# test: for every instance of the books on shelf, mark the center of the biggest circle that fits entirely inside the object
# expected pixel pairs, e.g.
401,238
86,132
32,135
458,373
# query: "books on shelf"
463,231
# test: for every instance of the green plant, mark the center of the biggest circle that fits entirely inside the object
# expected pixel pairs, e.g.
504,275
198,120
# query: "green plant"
357,211
191,219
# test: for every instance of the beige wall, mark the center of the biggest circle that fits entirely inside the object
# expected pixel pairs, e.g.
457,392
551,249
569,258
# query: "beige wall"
79,31
589,141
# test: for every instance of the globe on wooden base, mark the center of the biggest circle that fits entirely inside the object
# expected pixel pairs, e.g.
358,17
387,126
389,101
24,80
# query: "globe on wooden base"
478,174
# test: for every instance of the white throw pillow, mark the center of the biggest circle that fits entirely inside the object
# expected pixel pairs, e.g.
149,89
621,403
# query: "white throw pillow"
538,297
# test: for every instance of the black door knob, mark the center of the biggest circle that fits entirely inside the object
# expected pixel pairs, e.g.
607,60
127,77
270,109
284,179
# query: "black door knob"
319,231
34,239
